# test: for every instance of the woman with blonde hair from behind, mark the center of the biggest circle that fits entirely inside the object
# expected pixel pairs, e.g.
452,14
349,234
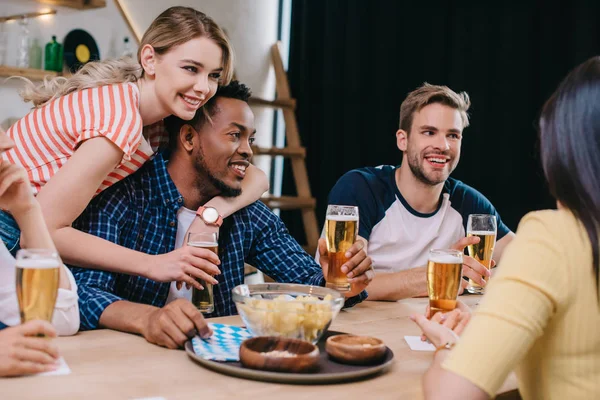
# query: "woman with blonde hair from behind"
91,130
540,315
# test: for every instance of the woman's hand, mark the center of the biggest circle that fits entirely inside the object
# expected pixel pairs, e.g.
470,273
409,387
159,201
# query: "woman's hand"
184,265
445,328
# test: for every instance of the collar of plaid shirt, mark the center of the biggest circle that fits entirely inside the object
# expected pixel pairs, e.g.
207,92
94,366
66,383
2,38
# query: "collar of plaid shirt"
141,213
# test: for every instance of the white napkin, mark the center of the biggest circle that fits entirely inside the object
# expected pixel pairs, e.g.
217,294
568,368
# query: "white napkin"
63,369
415,343
150,398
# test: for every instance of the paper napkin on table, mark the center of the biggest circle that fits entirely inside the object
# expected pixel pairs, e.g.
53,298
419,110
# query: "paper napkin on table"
63,369
415,343
223,345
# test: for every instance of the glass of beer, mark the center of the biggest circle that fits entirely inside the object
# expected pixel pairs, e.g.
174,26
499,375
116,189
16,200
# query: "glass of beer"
444,274
203,299
37,280
484,227
341,229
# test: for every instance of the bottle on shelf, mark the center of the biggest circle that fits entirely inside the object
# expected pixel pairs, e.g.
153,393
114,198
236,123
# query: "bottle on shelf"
23,46
127,50
35,54
53,57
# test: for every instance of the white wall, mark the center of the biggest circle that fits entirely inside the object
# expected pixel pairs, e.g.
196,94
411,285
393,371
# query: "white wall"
105,25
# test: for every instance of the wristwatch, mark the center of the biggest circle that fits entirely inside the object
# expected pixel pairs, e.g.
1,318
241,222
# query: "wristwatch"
210,216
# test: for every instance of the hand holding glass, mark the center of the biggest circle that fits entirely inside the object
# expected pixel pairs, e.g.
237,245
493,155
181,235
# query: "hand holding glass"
204,299
37,280
484,227
444,275
341,230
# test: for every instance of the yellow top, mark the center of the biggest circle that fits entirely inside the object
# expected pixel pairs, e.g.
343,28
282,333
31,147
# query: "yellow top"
540,316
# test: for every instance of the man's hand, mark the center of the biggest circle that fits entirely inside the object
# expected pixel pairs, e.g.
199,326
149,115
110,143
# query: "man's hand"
358,268
184,264
471,267
175,323
22,353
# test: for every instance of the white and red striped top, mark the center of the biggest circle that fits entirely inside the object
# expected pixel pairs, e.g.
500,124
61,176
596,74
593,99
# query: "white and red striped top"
46,138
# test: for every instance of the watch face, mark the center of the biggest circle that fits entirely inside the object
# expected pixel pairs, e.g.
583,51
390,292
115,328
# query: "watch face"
210,215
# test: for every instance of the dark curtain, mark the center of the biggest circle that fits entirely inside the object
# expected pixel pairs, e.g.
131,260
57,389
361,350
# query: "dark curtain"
353,62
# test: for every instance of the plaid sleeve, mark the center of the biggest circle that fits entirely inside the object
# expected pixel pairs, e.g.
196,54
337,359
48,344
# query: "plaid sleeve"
96,292
278,254
96,288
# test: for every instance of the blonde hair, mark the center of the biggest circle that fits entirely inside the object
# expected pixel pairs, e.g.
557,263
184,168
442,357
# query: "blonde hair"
430,94
173,27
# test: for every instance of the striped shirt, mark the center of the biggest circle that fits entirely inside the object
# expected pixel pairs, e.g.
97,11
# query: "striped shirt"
46,138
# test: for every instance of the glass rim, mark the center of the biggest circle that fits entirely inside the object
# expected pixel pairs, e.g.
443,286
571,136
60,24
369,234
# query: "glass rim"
214,234
37,252
342,206
446,256
446,252
481,215
341,210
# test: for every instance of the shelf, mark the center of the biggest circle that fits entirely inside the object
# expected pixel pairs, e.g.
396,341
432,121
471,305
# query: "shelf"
27,15
299,152
277,103
29,73
79,4
289,202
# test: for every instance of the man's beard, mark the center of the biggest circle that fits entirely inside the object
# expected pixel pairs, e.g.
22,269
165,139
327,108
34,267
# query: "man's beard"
223,189
419,172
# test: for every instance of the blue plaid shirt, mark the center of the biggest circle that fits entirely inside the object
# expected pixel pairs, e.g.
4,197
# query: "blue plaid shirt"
140,213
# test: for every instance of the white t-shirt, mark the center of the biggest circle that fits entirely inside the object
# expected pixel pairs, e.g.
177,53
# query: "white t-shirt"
185,217
399,236
66,310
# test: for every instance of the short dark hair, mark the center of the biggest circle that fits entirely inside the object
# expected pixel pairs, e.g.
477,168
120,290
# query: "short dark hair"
570,144
235,90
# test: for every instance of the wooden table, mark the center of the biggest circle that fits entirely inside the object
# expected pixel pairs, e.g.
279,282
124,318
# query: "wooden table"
112,365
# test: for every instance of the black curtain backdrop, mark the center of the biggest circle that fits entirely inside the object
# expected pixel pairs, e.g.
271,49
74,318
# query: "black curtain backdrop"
353,62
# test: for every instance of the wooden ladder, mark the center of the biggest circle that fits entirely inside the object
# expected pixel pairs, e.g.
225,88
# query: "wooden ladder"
293,150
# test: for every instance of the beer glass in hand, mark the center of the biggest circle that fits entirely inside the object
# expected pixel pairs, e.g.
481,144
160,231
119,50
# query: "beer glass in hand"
444,274
341,229
38,275
484,227
203,299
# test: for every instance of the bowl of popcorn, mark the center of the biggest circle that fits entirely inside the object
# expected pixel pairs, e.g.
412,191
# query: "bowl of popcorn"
287,310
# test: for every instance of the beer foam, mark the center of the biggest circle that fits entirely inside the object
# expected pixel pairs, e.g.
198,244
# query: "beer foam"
445,259
342,218
38,264
487,233
203,244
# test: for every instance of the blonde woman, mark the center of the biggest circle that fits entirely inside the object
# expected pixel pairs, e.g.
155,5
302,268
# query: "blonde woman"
93,129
